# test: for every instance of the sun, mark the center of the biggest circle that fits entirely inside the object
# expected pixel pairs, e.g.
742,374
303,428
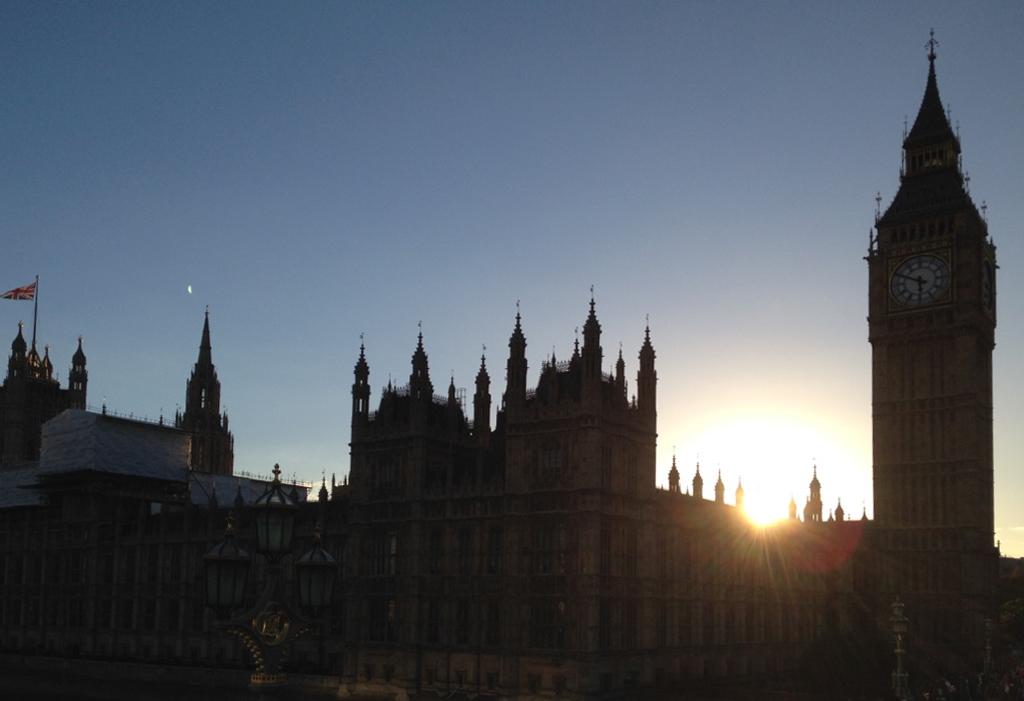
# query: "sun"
762,512
772,454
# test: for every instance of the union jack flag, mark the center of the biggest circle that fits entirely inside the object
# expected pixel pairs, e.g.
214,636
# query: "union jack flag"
25,292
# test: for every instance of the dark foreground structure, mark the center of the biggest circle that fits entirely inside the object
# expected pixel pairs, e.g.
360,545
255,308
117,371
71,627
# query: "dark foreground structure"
537,557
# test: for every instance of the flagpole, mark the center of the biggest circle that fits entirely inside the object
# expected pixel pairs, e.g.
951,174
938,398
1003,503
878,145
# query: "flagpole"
35,311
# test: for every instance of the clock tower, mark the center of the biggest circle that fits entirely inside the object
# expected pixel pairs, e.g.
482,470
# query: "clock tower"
932,319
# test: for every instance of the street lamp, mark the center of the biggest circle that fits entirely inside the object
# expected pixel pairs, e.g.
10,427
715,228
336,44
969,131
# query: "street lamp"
986,668
227,568
899,622
267,627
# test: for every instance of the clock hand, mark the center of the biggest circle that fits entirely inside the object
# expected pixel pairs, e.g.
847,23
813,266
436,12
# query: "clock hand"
908,277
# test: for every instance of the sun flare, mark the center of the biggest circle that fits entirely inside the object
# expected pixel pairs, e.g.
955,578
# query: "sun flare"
772,455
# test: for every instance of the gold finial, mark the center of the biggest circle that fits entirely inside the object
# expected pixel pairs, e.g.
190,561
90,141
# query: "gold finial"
277,472
932,43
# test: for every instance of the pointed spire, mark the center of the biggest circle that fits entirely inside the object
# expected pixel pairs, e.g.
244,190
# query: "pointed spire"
673,475
481,375
205,351
18,345
239,500
419,381
515,368
362,369
79,357
322,496
932,122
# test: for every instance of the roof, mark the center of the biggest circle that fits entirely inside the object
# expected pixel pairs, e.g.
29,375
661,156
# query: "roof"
78,441
931,124
929,194
203,484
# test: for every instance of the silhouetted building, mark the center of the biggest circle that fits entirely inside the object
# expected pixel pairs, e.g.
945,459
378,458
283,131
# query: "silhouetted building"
932,318
536,557
213,446
32,395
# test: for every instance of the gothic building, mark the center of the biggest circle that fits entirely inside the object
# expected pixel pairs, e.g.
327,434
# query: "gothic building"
536,556
213,446
31,395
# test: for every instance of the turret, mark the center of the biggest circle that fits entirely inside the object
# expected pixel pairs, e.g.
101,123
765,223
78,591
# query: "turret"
78,378
840,512
515,377
420,387
592,353
482,404
792,508
814,506
47,363
719,489
361,390
212,443
698,484
647,379
452,410
17,362
673,478
620,376
739,495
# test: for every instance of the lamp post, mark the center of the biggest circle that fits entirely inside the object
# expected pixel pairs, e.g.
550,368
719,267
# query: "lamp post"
267,627
899,622
986,667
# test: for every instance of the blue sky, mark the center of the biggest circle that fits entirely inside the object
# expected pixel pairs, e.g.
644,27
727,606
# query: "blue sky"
318,170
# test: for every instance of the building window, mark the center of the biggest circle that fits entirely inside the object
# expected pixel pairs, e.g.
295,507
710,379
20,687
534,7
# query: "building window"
494,549
433,616
604,625
493,625
380,554
462,622
465,550
435,563
547,624
605,565
382,619
629,625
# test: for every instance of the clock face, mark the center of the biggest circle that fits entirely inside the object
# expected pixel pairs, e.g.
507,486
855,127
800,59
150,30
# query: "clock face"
920,280
988,285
